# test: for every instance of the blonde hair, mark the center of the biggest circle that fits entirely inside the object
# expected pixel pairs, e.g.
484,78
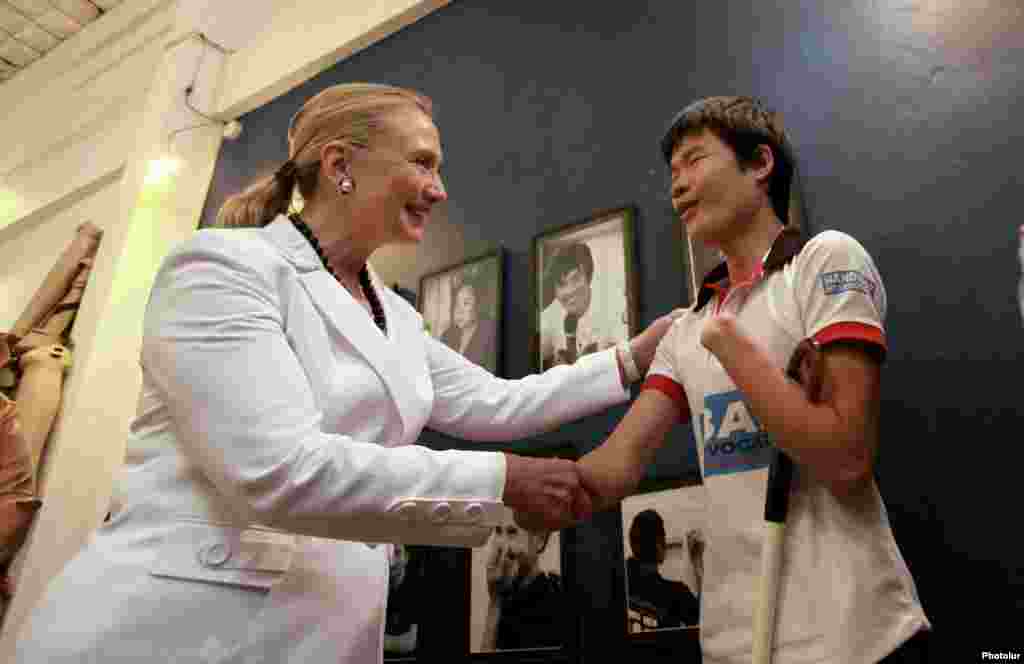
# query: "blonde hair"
350,113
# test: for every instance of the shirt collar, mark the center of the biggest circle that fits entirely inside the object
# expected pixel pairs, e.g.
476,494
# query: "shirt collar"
787,244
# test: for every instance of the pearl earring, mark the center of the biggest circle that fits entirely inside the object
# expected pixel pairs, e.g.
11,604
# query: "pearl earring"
346,185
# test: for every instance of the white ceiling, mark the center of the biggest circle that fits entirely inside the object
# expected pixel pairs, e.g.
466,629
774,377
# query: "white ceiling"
30,28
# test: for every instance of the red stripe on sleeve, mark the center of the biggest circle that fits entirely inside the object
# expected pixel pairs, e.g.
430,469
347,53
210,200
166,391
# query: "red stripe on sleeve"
852,331
672,390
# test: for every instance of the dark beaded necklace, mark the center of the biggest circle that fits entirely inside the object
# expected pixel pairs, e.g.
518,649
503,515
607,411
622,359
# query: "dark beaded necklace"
364,274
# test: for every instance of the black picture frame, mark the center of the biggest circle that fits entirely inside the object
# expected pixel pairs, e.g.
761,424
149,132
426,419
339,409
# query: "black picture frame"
439,292
611,314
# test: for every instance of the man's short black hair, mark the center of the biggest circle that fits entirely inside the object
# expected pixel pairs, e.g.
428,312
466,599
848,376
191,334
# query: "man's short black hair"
644,532
743,124
566,259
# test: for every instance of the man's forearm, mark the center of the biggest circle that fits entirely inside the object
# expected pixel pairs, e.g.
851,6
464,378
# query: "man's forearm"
613,470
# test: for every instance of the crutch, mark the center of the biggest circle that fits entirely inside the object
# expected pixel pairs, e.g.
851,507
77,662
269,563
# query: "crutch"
804,368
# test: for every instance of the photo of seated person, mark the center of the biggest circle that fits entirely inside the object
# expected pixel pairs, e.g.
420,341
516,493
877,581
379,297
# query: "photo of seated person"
578,321
659,601
472,334
525,600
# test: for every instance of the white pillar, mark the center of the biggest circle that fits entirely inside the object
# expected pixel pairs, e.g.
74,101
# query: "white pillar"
157,210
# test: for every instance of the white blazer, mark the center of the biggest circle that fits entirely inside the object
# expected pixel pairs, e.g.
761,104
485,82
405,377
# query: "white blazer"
270,397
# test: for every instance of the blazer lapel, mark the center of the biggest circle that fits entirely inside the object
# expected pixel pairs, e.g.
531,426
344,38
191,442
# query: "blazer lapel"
349,319
407,367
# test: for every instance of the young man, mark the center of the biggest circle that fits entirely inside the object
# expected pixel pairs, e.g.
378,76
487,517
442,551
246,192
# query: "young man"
846,596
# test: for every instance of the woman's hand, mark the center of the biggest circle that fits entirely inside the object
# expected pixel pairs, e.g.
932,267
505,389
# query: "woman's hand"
546,494
645,343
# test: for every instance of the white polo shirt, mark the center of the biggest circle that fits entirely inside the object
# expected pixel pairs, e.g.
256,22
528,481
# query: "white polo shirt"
846,596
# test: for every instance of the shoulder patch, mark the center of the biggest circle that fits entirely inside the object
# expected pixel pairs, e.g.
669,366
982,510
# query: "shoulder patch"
842,281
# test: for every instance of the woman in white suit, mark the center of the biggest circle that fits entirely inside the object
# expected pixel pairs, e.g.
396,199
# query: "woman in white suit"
284,388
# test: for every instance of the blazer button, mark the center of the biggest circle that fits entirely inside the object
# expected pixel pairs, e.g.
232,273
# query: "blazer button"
442,512
407,510
474,512
214,554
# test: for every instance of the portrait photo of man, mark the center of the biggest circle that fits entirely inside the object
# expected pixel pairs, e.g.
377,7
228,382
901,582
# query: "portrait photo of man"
585,286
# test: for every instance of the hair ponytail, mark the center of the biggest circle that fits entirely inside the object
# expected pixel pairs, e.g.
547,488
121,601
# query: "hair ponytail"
259,204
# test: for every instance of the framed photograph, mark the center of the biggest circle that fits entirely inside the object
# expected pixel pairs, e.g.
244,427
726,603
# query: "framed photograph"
462,307
663,529
700,259
519,588
518,598
586,287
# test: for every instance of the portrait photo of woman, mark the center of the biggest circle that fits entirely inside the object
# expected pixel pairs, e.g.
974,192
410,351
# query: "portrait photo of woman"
461,307
471,333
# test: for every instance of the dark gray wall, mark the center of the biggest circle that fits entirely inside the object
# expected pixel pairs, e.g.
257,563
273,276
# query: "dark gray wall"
905,120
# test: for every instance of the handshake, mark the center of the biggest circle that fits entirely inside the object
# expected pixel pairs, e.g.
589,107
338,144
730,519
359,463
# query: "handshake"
551,494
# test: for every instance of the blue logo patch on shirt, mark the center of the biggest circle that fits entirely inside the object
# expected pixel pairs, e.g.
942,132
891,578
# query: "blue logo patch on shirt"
843,281
733,439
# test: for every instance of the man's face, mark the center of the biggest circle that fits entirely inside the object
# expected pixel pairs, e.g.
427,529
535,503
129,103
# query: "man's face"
711,193
515,551
465,308
573,291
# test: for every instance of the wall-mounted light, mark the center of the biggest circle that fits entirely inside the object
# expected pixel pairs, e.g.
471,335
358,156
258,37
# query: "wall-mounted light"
161,169
8,206
232,130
